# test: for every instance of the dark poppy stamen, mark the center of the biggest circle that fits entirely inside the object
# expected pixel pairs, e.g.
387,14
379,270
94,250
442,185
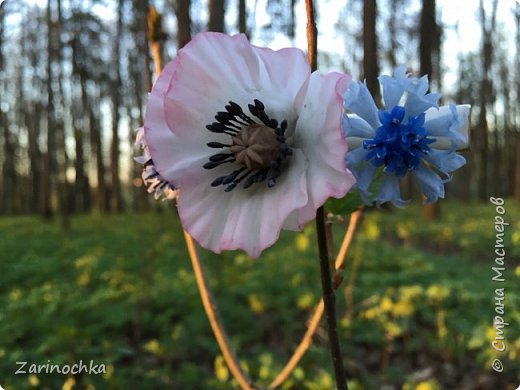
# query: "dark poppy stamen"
258,146
151,176
226,119
218,145
214,164
220,157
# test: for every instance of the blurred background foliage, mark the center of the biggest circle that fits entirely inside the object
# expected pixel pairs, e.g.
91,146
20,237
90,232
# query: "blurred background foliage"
415,308
94,269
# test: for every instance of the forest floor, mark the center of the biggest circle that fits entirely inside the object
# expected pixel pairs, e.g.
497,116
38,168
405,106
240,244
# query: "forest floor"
416,307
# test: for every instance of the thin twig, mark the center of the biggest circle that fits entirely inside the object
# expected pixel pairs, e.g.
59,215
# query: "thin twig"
156,54
345,245
329,301
312,36
329,297
210,307
155,37
314,321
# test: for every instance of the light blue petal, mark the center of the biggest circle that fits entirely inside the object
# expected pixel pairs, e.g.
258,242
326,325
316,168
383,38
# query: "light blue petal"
355,126
418,86
390,191
416,103
400,73
365,178
446,161
449,121
363,172
429,182
438,121
393,90
354,157
360,102
460,126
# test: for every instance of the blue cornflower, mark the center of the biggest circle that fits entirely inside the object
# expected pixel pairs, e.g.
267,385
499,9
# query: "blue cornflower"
412,134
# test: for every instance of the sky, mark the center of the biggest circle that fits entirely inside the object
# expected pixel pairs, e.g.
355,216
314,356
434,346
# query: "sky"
461,33
461,36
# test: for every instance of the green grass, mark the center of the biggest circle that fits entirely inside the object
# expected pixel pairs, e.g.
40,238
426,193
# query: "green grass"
119,290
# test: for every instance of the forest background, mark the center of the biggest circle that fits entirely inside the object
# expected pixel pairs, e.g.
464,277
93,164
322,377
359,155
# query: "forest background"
94,268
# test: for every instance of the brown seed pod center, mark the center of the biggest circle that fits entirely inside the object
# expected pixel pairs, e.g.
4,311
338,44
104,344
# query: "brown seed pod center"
256,146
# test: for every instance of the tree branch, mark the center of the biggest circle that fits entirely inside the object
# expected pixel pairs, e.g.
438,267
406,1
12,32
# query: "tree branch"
314,321
210,307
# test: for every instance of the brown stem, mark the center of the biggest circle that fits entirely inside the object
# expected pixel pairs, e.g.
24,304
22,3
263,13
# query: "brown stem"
329,297
345,245
329,301
155,37
313,323
210,307
312,36
157,57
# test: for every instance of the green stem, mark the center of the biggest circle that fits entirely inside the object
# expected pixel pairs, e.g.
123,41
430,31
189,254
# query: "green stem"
329,299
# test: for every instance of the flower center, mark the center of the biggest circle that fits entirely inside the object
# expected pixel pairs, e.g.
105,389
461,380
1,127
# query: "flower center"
257,148
398,146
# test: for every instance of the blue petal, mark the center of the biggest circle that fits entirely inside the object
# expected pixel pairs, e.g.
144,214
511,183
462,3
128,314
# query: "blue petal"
390,192
460,127
400,73
446,161
431,185
438,122
360,102
449,122
416,103
354,157
362,171
355,126
393,90
365,178
418,86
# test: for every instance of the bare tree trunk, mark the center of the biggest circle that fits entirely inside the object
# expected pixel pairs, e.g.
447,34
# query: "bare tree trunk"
497,182
517,137
485,93
182,12
428,31
216,15
117,197
140,88
8,170
62,157
25,115
392,32
81,182
50,156
32,121
428,26
370,57
97,149
517,174
242,17
82,199
292,22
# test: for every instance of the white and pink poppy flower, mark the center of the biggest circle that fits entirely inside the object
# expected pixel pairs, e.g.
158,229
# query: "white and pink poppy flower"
249,137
